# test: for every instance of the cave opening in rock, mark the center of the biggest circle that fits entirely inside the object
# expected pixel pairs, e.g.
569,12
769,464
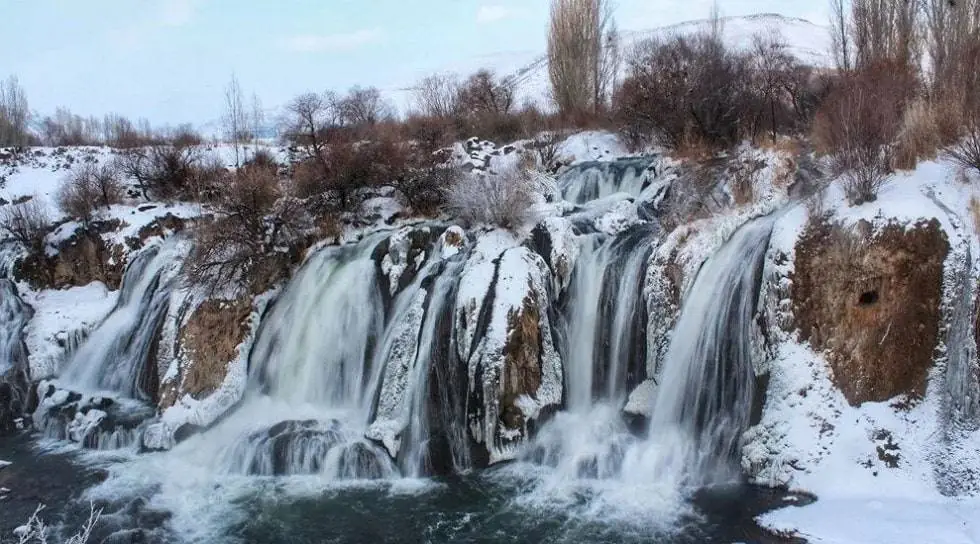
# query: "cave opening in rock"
868,298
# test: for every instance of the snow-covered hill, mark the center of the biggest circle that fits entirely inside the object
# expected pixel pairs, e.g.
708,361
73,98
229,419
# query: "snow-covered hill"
808,41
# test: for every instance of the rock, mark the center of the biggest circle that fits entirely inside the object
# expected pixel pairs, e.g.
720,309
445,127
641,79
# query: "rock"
871,299
81,259
208,342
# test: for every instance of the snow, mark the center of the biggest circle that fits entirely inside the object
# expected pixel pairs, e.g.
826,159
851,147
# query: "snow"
885,471
881,520
59,314
587,146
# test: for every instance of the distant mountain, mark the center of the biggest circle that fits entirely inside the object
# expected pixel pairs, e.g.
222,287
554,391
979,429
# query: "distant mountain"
529,69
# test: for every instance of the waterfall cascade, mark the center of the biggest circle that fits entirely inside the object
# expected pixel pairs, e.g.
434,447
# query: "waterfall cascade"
14,315
115,356
104,393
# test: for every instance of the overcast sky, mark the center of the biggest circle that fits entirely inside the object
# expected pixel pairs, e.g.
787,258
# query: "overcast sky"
168,60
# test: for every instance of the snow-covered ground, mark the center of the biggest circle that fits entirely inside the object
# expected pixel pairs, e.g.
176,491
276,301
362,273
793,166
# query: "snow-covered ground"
811,439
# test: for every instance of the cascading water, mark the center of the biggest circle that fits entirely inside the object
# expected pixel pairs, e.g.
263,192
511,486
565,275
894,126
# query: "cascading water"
105,392
604,352
434,442
310,385
115,356
596,180
329,353
14,379
705,393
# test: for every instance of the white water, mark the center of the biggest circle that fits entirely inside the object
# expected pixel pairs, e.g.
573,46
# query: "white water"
703,401
310,389
114,357
705,393
604,318
597,180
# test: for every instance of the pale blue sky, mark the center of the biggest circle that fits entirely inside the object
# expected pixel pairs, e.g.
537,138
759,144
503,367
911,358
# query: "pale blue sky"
168,60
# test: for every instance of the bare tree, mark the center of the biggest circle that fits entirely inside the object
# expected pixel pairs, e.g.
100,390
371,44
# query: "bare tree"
953,46
14,114
483,93
582,54
27,223
235,119
362,107
258,119
248,242
773,67
437,96
886,31
840,35
308,116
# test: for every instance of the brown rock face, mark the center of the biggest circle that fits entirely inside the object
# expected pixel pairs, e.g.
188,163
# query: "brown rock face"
82,259
207,343
872,301
522,364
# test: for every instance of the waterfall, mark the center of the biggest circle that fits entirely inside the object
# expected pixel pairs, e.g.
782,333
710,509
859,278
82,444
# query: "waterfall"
706,385
596,180
310,389
604,350
14,371
108,387
313,344
116,356
437,383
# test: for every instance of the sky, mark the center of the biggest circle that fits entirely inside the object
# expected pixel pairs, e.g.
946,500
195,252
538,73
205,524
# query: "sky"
169,60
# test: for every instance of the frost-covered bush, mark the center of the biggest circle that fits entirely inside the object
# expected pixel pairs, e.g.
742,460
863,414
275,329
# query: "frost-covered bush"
503,199
36,531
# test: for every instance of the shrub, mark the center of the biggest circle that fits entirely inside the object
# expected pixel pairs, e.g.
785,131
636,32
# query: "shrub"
505,200
163,171
687,89
425,186
27,223
966,151
88,187
254,237
858,123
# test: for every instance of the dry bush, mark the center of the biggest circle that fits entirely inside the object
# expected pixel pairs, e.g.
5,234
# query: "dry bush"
424,185
428,133
27,223
918,137
339,176
255,236
88,187
858,123
263,157
504,200
78,199
688,88
164,171
975,213
966,151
